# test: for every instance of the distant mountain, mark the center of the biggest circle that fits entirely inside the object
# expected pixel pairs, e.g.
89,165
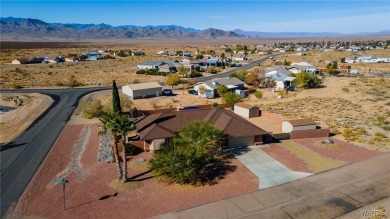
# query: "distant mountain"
286,34
34,28
260,34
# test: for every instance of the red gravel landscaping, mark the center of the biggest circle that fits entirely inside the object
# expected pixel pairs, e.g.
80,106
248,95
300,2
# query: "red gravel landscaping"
286,158
94,198
347,152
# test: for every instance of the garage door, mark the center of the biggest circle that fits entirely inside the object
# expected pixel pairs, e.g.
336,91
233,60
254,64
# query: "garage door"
240,142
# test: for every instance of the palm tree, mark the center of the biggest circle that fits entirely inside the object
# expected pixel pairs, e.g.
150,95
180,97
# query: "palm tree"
108,121
123,125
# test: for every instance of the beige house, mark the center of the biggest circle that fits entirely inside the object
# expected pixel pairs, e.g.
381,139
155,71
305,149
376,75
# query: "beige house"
246,110
142,90
297,125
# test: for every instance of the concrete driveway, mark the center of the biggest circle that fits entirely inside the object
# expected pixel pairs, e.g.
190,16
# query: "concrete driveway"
270,171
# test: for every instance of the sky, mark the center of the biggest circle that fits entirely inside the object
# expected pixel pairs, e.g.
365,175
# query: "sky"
345,16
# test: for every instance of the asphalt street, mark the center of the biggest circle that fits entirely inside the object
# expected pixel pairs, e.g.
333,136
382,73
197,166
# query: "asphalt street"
21,158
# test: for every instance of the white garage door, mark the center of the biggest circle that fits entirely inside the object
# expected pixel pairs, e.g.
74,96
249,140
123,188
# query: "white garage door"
240,142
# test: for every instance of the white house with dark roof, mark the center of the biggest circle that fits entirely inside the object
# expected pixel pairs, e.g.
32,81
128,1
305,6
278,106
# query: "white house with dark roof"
282,81
211,86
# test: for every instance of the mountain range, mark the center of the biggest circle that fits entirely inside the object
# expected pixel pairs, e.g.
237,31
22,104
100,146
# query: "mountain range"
34,28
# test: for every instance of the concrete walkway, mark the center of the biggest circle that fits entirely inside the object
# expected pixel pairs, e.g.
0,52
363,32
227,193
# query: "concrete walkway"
270,171
326,195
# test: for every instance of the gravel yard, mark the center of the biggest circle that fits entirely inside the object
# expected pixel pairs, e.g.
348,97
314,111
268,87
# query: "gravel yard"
347,152
94,197
315,162
287,158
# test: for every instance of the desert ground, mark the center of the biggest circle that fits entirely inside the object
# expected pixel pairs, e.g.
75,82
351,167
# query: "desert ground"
18,112
122,69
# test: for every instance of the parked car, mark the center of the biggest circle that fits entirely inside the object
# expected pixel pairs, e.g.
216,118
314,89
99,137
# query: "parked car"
232,65
167,92
193,92
238,65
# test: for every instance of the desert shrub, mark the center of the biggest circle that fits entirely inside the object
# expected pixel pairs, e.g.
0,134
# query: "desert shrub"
379,136
154,104
215,104
353,134
345,89
73,82
239,74
258,94
196,74
92,109
59,84
141,72
136,81
17,86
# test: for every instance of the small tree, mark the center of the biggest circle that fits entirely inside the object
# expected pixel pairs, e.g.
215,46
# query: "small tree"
252,79
202,90
222,89
231,99
116,101
307,80
258,94
190,157
172,79
181,70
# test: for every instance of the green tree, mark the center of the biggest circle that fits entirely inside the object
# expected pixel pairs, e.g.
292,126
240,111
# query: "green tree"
199,56
181,70
307,80
231,99
172,79
119,125
223,58
202,90
116,101
191,157
222,89
258,94
239,74
252,79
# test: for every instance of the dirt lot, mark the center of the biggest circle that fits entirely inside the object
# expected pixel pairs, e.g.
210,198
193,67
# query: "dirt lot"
18,112
92,195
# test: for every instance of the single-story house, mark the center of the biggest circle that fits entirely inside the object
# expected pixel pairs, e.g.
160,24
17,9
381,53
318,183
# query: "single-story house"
151,65
162,53
211,86
344,68
137,53
20,61
246,110
155,129
298,124
303,66
92,56
285,81
142,90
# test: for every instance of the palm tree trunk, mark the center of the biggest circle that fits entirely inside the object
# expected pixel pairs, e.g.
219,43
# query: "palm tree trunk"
117,161
124,176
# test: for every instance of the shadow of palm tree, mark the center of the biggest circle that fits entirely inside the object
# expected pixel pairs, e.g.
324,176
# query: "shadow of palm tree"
135,178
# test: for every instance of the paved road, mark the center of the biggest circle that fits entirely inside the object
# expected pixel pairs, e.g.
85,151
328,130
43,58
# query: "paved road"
234,69
21,158
327,195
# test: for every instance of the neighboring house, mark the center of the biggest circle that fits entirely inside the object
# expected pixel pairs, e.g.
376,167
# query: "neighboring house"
303,66
162,53
168,67
211,86
92,56
344,68
301,49
137,53
211,63
150,65
36,60
142,90
246,110
282,81
155,129
20,61
54,59
72,59
187,54
298,124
